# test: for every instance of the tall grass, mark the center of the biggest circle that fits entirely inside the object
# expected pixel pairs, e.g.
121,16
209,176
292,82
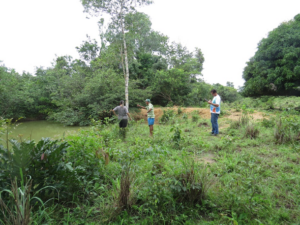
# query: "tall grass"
18,203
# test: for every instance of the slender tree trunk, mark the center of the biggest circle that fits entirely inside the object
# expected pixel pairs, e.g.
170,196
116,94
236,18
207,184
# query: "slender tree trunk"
123,67
126,66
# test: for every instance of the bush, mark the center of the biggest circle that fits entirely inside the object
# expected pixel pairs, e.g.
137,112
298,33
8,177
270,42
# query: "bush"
242,121
19,204
191,186
45,162
286,130
251,131
195,116
179,111
167,116
267,123
176,138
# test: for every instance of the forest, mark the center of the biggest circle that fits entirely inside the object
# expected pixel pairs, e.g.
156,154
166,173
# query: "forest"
248,174
74,91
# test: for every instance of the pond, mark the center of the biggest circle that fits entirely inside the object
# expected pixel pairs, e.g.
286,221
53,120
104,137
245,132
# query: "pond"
35,130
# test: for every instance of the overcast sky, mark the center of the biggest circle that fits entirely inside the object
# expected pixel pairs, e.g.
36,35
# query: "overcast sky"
32,32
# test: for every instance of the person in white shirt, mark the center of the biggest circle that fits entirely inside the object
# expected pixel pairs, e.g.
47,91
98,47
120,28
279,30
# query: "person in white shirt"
215,109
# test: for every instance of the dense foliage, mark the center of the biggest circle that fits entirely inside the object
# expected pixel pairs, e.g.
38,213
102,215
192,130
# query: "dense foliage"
73,91
275,67
249,175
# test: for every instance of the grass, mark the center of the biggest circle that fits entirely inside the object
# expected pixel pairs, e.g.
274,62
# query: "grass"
185,176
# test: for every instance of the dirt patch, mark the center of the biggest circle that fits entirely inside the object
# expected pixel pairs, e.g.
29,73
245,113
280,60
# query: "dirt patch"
238,115
204,113
203,125
206,159
158,112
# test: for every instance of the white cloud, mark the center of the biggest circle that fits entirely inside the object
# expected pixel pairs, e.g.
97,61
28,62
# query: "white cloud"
33,31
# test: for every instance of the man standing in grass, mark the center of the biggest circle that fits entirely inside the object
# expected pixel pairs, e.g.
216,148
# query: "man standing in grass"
215,109
150,115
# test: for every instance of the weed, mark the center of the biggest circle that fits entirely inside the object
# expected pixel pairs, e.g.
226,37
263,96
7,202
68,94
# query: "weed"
251,130
124,194
191,186
242,121
195,117
268,123
167,116
20,204
179,111
176,138
19,211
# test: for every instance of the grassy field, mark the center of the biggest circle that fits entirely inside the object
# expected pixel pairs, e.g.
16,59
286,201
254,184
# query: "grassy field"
186,176
249,174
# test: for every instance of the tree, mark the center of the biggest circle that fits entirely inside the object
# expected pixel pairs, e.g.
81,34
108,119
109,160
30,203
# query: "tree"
229,84
88,50
227,93
275,67
117,9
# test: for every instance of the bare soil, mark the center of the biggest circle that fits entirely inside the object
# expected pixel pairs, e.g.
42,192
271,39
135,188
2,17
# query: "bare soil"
202,112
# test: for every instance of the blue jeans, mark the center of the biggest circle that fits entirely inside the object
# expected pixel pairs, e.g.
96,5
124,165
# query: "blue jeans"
214,123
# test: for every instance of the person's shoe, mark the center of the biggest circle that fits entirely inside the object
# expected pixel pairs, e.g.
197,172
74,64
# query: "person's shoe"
214,135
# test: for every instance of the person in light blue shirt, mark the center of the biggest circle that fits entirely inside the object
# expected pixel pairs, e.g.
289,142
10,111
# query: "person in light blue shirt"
215,109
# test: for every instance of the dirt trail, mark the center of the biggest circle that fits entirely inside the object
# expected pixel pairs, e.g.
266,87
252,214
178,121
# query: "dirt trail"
202,112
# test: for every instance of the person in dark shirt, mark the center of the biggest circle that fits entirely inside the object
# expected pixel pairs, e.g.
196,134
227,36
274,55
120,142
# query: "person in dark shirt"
122,112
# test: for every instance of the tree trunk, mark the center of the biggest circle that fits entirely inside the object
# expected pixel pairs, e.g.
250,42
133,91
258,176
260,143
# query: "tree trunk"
127,69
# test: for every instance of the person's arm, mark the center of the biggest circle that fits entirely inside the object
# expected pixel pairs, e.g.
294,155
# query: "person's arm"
129,116
141,106
114,111
217,102
127,112
215,105
149,110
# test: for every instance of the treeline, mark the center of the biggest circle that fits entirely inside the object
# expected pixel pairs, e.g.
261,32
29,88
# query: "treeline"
72,91
275,67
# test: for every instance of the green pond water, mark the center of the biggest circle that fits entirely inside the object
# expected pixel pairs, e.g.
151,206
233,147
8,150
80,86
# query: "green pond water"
35,130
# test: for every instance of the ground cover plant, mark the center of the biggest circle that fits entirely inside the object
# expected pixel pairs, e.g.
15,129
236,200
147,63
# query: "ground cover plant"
181,176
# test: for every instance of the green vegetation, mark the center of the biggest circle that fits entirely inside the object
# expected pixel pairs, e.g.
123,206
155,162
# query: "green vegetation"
275,67
74,91
247,175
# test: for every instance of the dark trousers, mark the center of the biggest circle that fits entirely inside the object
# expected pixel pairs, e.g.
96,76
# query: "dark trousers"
123,124
214,123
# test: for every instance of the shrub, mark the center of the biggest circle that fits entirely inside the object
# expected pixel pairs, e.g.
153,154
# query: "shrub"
267,123
232,132
286,130
167,116
282,133
45,162
177,134
191,186
179,111
242,121
195,117
251,131
19,204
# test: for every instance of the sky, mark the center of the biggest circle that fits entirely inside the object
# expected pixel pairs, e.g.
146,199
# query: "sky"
34,32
